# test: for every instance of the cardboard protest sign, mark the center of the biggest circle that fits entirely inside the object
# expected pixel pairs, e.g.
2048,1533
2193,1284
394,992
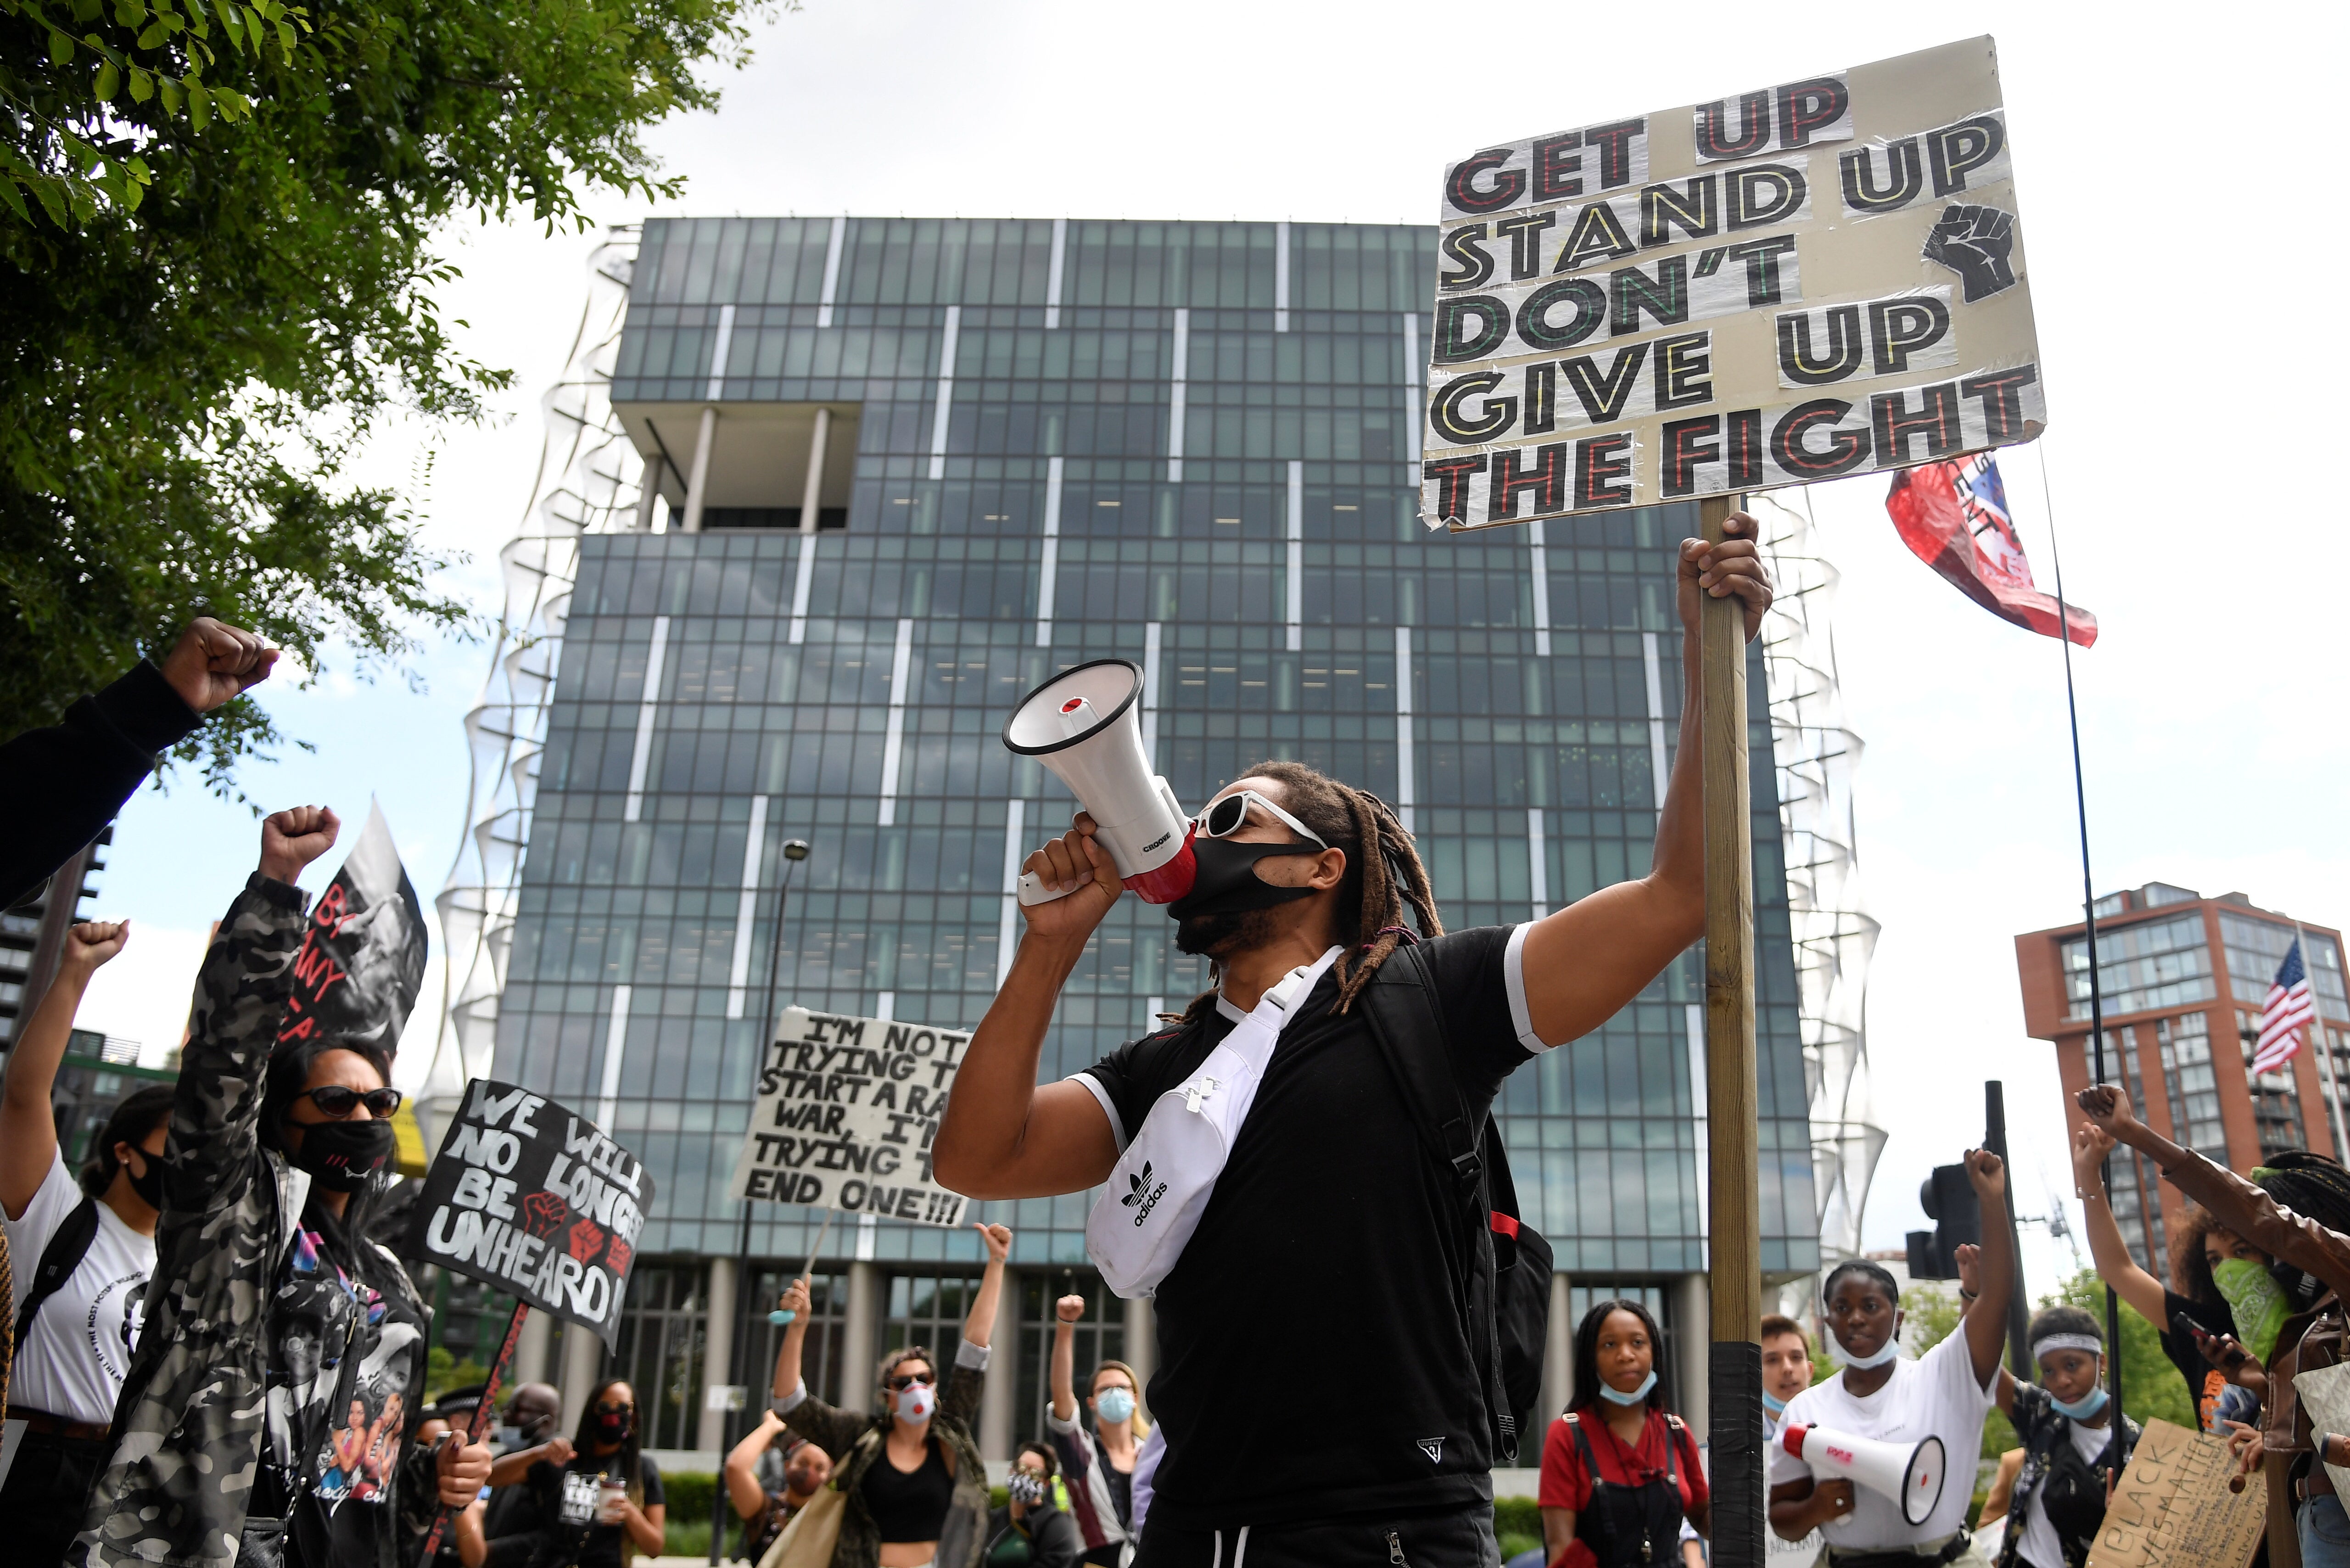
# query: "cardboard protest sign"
848,1109
536,1201
2175,1507
1787,283
2324,1396
361,962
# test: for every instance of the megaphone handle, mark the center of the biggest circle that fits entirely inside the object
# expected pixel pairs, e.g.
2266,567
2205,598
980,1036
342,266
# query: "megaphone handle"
1033,891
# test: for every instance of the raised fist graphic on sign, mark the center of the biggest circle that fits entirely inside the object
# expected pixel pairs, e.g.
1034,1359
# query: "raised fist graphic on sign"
543,1213
1974,243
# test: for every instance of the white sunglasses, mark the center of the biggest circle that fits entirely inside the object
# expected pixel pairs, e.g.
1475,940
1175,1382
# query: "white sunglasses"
1227,815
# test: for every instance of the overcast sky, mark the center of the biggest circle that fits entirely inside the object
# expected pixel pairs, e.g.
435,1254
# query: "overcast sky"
2151,147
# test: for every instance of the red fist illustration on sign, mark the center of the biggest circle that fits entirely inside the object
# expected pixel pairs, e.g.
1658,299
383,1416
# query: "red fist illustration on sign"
543,1213
587,1239
617,1256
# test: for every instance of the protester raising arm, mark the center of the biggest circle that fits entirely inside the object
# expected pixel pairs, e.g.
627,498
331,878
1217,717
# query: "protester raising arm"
28,1127
2239,1205
2142,1290
59,786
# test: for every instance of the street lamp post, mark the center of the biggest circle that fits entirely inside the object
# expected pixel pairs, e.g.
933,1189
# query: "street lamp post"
794,851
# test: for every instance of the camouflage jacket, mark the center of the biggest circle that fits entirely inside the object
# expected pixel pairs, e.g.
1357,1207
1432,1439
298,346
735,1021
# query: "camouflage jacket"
844,1435
187,1435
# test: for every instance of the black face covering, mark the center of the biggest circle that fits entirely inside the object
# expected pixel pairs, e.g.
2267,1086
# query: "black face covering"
343,1157
2301,1289
1227,882
612,1425
148,1187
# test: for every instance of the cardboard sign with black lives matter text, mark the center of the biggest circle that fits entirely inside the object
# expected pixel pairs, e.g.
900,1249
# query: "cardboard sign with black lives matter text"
1788,284
537,1202
847,1110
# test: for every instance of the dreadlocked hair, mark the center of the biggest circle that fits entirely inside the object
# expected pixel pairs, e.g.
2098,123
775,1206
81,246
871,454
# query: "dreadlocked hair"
1376,887
2310,1185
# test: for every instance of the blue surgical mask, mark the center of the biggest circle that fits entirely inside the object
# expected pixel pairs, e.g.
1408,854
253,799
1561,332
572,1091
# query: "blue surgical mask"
1616,1396
1115,1405
2084,1409
1776,1406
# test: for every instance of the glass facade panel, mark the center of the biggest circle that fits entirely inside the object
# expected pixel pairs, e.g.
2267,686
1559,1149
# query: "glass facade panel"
1018,509
2162,963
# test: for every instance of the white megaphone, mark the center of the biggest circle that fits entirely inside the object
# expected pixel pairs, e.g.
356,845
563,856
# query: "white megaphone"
1085,724
1909,1473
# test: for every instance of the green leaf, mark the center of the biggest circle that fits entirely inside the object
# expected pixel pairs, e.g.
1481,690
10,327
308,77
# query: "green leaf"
167,88
129,12
286,41
142,84
152,38
200,105
110,82
60,48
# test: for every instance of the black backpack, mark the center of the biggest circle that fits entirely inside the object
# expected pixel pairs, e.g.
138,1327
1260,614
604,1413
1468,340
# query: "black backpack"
58,1260
1508,1289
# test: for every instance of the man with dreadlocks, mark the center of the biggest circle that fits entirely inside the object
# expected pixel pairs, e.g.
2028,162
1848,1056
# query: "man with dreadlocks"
1324,1185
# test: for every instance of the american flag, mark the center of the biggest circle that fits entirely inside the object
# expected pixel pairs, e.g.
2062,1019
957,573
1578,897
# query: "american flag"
2287,1009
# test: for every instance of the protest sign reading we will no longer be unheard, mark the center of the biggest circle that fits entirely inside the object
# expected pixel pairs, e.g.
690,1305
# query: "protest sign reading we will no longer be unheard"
537,1201
847,1110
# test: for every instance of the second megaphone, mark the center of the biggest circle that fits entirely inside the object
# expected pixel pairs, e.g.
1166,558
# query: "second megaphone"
1085,724
1909,1473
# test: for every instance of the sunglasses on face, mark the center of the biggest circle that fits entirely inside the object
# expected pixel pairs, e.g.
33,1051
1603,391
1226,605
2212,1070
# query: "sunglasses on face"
337,1101
615,1409
1229,815
906,1380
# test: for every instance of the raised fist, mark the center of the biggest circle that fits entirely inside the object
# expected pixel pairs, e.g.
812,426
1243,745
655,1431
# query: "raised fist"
213,661
1069,1308
291,839
93,942
998,1239
1974,243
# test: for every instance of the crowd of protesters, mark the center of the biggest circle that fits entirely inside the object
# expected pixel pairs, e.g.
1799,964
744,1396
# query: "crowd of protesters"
209,1359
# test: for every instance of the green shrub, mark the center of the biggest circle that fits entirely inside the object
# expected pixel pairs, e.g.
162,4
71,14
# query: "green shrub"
1517,1516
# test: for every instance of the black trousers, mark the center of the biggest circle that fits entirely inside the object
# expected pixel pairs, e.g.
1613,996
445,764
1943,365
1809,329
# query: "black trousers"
1460,1539
47,1485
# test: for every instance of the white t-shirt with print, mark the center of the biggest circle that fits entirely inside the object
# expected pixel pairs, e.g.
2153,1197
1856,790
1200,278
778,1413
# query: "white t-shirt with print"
2040,1546
73,1361
1936,1395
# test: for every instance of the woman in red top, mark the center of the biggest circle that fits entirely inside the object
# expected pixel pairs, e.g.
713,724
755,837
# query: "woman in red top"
1618,1474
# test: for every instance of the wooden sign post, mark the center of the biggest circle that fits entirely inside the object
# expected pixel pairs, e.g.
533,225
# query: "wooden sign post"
1734,1371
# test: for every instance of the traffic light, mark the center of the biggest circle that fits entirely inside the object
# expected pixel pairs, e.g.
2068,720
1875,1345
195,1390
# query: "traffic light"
1949,1201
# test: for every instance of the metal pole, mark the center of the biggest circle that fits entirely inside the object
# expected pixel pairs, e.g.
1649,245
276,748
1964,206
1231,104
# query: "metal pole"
1734,1372
2089,929
729,1435
2019,1349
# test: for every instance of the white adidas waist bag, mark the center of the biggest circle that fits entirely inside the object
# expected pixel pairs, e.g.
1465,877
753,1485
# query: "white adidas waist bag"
1160,1185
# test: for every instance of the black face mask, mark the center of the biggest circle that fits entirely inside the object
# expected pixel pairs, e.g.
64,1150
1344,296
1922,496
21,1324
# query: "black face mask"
343,1157
2301,1289
1226,882
612,1425
150,1187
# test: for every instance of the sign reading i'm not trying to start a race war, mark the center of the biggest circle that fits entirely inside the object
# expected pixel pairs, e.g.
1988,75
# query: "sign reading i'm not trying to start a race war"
537,1202
1788,284
847,1110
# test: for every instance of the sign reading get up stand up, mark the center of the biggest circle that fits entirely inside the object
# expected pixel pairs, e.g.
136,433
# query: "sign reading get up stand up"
1804,280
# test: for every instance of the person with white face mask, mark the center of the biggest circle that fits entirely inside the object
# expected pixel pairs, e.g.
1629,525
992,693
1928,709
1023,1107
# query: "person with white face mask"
1097,1456
1883,1395
916,1489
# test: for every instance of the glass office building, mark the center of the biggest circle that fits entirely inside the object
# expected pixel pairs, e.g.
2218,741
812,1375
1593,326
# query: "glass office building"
900,471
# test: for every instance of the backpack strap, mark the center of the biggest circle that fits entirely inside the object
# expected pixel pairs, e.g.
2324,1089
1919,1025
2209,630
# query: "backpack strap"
59,1259
1401,1009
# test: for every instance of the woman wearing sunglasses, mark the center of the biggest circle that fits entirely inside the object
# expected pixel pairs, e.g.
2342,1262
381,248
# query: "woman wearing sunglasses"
915,1494
277,1332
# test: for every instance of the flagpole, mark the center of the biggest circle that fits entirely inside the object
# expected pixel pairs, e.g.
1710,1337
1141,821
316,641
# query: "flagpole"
2089,926
2324,1052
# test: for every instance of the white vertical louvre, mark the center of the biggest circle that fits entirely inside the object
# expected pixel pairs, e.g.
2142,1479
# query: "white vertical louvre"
893,743
1652,665
1404,765
1281,275
1053,277
640,760
1048,572
1296,533
945,408
1007,935
831,272
615,1042
1175,397
1538,565
746,910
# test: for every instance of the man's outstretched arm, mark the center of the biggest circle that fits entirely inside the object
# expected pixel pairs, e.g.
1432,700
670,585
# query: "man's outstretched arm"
1005,1136
1585,962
